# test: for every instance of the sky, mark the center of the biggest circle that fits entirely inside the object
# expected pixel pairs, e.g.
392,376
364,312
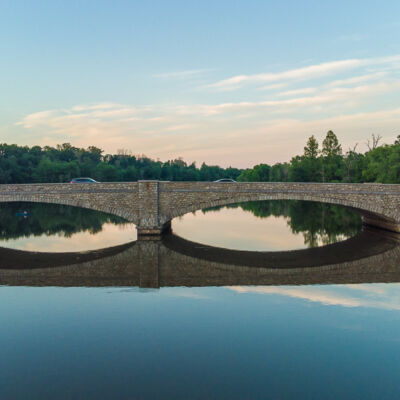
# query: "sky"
226,82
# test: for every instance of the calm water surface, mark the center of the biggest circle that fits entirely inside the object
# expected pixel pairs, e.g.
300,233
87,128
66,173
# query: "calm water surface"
269,225
57,228
119,336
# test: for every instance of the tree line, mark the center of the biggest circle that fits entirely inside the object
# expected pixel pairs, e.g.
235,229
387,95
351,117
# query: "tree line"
23,164
330,164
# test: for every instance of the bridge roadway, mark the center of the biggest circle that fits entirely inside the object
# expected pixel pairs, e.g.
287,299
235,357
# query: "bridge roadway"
151,205
370,257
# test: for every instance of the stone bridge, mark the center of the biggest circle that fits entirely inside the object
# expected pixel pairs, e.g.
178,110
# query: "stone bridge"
151,205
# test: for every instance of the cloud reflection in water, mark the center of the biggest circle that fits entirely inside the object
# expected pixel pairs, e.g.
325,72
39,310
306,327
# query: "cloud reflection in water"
377,295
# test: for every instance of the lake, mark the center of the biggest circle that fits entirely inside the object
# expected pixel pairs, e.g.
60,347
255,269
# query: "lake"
258,300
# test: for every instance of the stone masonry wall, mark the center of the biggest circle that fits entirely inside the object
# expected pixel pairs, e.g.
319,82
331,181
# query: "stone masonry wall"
152,204
121,199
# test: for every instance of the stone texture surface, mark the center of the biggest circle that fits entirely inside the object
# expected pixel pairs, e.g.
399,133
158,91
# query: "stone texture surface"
121,199
152,204
148,217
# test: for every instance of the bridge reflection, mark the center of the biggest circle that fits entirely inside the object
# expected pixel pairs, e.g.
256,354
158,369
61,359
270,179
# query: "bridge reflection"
370,257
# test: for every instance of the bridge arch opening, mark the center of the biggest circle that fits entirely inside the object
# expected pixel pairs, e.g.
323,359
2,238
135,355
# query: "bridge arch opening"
79,203
371,215
270,225
44,227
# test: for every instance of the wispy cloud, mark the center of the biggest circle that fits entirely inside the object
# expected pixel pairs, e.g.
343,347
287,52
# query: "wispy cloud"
354,80
357,79
296,92
274,86
338,95
293,74
185,74
303,73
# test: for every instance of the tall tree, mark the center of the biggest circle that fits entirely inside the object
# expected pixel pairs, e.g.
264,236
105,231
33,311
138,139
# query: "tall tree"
332,160
310,162
331,146
311,150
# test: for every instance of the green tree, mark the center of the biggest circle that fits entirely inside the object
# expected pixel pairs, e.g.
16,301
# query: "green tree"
260,173
331,146
106,173
298,171
311,163
279,172
311,150
353,164
332,160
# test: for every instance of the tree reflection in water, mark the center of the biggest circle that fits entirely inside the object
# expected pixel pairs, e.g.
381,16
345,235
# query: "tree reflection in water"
318,222
50,219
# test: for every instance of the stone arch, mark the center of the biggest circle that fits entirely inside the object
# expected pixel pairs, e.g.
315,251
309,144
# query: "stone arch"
371,210
128,215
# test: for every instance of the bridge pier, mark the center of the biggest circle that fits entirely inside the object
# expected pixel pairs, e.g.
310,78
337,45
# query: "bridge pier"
144,231
149,210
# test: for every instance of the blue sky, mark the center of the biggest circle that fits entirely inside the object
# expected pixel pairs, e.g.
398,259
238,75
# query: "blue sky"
232,83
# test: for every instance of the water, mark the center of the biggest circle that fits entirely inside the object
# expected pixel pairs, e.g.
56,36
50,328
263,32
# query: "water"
58,228
269,225
177,318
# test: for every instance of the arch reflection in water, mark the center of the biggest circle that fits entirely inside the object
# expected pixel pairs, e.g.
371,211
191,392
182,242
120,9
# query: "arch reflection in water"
60,228
371,256
270,225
